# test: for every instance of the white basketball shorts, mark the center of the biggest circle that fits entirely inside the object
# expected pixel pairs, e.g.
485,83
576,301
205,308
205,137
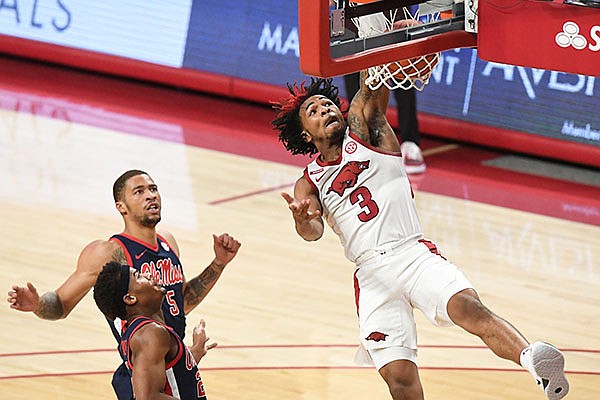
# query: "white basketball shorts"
388,284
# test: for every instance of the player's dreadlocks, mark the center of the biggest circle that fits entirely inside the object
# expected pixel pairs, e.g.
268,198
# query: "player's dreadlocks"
288,116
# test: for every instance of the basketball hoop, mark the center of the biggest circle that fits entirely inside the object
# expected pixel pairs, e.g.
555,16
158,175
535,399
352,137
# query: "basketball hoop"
402,74
330,45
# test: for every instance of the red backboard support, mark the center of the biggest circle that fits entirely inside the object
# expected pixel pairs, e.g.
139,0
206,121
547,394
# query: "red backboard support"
315,51
532,33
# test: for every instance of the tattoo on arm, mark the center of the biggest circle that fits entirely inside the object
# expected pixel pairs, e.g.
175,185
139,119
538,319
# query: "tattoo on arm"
196,289
50,307
376,137
357,118
118,255
367,119
358,127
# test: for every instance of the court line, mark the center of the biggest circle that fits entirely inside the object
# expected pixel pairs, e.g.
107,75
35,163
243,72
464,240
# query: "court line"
259,346
249,194
290,346
428,152
292,368
440,149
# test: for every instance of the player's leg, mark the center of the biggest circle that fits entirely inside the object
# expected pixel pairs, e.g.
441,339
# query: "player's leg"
402,378
387,326
467,311
542,360
446,297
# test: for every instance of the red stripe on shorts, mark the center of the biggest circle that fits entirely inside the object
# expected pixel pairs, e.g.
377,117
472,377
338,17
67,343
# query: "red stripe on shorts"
356,290
432,248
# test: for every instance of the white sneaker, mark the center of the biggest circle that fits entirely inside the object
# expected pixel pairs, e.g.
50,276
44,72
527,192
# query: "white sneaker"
413,158
546,363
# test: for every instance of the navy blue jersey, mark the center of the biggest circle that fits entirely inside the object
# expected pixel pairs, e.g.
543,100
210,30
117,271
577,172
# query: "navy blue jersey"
164,266
183,378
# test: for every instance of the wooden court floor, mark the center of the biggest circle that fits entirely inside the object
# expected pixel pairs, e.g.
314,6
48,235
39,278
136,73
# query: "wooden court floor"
283,311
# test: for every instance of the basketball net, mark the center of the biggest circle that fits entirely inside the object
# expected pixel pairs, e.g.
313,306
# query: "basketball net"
403,74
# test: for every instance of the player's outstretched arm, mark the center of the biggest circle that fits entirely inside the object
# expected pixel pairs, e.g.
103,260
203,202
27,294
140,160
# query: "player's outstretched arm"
306,210
226,248
59,303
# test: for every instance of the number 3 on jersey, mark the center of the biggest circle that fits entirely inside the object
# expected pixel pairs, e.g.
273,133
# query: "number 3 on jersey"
362,196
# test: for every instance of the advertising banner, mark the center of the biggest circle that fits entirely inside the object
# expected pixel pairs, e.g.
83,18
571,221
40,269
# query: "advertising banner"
547,103
153,31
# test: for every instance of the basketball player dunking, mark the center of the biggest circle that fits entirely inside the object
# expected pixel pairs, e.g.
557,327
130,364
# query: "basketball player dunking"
358,183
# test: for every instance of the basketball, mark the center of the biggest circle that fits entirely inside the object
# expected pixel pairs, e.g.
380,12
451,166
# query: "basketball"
417,67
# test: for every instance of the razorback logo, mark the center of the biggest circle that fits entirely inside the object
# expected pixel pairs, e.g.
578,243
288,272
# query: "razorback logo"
347,176
377,336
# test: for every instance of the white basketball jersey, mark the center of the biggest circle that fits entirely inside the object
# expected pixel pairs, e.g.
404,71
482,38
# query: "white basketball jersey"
366,197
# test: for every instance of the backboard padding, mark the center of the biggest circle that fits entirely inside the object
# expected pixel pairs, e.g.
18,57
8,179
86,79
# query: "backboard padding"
524,32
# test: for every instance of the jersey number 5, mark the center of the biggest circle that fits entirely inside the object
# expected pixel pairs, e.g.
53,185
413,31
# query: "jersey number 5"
362,196
174,309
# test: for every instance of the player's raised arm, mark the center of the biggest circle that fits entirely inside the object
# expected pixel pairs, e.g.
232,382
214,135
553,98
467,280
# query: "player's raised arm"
367,119
226,248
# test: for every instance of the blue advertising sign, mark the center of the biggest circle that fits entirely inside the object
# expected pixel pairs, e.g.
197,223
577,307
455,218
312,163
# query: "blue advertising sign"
548,103
153,31
251,40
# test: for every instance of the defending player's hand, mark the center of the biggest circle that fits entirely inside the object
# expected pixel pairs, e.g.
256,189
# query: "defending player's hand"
200,345
225,247
24,298
300,209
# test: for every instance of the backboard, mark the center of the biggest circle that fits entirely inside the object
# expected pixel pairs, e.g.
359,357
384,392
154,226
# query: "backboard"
543,34
330,45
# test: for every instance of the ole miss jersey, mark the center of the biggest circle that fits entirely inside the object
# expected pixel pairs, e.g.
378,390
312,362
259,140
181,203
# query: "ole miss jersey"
366,197
183,378
163,265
